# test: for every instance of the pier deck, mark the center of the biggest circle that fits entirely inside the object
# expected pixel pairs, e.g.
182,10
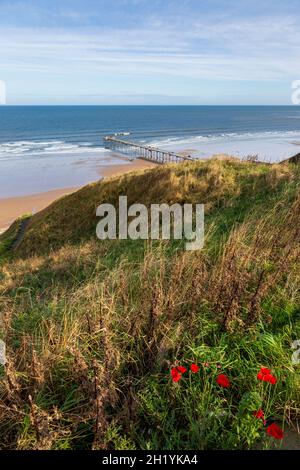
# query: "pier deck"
144,152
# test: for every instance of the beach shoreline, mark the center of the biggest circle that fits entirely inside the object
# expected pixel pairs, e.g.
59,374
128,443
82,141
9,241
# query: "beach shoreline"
13,207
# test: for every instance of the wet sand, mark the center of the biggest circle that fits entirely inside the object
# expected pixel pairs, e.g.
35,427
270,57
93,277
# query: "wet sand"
13,207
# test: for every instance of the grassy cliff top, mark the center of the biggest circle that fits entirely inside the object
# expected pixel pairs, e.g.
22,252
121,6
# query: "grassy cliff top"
92,327
229,187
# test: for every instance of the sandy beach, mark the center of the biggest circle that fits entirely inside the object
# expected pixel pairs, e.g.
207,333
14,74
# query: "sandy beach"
13,207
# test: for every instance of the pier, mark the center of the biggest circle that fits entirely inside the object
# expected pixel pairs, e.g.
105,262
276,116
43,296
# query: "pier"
144,152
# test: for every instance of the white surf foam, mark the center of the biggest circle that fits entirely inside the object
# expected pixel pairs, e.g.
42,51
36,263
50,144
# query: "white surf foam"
225,137
40,148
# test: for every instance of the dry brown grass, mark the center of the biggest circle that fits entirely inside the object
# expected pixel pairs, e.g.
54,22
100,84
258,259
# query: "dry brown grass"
72,218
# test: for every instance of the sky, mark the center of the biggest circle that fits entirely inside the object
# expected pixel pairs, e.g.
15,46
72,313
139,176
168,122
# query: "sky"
149,51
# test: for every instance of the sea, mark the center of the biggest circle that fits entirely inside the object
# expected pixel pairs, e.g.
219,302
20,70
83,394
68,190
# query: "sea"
52,147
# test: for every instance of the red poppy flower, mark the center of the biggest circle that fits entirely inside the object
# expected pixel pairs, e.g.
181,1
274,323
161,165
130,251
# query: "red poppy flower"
194,368
271,379
266,371
275,431
223,381
259,414
265,375
175,374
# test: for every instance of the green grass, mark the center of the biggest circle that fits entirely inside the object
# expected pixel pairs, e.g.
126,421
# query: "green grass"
7,239
93,328
9,236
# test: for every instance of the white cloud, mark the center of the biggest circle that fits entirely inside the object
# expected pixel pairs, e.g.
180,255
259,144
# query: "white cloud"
155,58
242,50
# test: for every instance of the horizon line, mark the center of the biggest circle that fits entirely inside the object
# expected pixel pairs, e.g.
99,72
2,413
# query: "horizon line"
7,105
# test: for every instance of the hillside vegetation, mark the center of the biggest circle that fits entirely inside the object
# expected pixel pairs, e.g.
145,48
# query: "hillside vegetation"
93,328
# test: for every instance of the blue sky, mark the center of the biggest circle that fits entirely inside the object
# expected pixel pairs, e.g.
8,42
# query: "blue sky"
149,51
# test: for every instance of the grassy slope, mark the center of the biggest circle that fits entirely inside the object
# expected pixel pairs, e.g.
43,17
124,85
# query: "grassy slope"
92,328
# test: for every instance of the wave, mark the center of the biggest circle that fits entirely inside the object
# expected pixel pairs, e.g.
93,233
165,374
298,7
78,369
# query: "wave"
33,148
57,147
224,137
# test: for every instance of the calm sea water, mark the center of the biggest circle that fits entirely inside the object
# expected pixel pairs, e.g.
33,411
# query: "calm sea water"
47,147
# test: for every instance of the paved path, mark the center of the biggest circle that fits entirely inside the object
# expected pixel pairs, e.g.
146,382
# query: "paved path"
23,225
